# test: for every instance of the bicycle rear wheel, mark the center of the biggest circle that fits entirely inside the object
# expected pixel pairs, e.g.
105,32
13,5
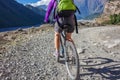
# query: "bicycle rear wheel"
72,60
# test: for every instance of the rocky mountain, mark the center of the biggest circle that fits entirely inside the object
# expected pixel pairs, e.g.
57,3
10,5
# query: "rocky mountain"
42,6
111,7
90,9
37,10
15,14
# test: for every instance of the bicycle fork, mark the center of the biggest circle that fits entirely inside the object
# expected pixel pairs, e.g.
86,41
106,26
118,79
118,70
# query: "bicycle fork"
62,47
63,43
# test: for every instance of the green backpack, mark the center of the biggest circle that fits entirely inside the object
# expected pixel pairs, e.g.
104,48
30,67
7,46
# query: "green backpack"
66,8
66,5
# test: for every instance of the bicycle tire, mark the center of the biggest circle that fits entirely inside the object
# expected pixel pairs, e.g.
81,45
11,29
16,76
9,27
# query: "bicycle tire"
71,58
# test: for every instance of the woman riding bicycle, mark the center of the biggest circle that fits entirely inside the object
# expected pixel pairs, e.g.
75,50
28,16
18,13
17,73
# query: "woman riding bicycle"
69,21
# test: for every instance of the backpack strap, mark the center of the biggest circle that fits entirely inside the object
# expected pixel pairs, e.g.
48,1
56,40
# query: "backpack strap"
76,24
59,24
54,13
78,9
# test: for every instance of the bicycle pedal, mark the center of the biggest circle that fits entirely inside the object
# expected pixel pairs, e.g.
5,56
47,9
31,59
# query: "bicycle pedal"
67,59
61,56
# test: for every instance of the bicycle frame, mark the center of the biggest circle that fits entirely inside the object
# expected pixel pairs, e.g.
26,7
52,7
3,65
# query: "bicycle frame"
63,40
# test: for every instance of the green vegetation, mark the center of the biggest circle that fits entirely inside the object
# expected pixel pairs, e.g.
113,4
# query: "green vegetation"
115,19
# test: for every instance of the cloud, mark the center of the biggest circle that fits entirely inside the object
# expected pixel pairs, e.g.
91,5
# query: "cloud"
41,2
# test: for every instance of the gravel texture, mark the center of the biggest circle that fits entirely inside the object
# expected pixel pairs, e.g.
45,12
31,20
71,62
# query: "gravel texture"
32,59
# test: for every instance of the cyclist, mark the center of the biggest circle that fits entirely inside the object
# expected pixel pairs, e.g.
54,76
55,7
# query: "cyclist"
62,20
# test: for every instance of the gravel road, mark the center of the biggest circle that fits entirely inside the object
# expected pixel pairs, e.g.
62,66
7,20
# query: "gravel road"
98,48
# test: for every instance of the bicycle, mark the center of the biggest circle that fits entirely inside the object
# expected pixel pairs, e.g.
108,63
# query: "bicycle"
69,53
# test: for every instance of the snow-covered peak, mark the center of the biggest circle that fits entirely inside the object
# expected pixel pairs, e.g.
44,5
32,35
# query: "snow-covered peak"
39,3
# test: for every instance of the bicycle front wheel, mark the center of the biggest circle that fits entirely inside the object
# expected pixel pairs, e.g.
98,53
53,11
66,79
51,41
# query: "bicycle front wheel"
72,60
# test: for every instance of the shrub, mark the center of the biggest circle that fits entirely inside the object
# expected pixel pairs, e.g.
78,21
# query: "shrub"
114,19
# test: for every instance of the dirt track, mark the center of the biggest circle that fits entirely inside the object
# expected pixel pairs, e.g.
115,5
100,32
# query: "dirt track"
98,48
100,59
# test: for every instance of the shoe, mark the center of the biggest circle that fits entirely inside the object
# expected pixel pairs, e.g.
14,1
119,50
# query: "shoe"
57,55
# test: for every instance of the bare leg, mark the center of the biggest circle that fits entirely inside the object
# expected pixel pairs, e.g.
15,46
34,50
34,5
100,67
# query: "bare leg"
68,36
57,41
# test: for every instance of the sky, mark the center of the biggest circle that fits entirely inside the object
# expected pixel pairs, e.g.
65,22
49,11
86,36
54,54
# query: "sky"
34,2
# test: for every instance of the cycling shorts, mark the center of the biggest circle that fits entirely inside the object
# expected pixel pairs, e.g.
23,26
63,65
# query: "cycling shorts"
65,20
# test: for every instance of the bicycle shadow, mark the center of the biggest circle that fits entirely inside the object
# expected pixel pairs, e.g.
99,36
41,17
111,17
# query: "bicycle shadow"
110,69
101,59
110,72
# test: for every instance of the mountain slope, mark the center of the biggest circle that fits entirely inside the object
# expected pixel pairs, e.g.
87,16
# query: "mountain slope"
112,7
90,9
15,14
37,10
